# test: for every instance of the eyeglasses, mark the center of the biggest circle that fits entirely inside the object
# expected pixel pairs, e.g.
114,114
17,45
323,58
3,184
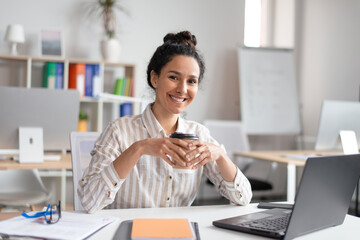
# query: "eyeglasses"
51,215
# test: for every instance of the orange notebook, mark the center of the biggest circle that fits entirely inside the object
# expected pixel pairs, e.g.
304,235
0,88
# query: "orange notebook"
161,228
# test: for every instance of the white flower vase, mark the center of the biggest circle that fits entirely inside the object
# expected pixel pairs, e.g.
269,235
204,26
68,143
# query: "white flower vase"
110,49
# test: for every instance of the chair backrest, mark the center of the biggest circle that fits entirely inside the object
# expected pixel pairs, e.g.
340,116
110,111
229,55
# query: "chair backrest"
233,136
22,187
81,145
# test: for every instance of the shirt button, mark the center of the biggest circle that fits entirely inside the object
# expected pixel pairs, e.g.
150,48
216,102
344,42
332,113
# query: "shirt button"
168,199
115,184
170,177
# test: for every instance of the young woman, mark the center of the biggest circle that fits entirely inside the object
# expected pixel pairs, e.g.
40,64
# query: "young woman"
133,160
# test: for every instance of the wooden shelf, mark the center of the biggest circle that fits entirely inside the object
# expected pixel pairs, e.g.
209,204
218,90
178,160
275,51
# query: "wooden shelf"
91,105
58,59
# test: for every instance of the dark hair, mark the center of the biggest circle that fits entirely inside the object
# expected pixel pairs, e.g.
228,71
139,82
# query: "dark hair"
182,43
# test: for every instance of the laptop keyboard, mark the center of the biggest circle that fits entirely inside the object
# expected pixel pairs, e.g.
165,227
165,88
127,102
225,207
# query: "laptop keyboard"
275,223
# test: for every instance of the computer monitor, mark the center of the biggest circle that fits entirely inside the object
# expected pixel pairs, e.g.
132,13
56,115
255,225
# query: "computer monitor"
337,116
55,111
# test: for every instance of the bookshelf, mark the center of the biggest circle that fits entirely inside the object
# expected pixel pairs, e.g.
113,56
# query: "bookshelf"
26,71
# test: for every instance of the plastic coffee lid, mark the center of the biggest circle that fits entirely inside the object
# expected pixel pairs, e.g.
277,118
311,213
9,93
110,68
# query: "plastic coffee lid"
184,135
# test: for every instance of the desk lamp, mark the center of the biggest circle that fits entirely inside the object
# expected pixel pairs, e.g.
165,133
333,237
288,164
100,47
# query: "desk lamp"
14,34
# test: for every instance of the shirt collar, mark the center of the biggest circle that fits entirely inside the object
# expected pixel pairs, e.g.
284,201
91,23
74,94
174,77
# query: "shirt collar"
180,126
150,122
152,125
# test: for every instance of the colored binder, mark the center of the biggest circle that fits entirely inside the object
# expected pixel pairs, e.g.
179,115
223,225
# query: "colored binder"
125,109
89,80
59,82
127,86
119,84
96,81
49,75
77,77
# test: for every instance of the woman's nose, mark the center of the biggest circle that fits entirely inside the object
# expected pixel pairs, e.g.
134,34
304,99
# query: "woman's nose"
181,87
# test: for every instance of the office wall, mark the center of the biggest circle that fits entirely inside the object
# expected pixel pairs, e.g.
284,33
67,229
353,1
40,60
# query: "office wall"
328,49
284,23
325,37
327,40
326,43
218,26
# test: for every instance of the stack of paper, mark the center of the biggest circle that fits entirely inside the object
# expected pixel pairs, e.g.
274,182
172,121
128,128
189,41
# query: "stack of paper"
71,226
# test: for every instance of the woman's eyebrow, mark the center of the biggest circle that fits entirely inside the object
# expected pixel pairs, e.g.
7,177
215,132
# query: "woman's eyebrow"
175,72
179,73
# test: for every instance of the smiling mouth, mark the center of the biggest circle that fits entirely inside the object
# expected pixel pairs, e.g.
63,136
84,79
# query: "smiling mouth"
178,99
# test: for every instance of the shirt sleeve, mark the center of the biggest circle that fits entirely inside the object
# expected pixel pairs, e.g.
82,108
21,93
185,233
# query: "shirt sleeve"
239,191
100,182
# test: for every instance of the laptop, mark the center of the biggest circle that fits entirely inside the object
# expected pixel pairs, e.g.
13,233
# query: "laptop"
322,201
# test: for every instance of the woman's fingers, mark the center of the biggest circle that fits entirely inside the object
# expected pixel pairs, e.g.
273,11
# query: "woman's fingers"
204,153
166,158
174,153
182,153
200,160
192,156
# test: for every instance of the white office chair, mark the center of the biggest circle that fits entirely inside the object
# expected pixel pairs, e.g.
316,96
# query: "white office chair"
22,188
233,136
81,145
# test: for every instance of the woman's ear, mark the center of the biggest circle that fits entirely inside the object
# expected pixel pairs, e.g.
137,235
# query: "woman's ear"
154,78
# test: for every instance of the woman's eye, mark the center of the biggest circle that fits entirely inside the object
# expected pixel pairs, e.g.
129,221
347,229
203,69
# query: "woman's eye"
192,81
173,77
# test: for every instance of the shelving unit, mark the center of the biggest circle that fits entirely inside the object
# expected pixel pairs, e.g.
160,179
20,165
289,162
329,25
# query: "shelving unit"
25,71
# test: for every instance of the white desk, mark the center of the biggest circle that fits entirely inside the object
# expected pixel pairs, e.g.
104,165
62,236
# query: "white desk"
291,162
204,215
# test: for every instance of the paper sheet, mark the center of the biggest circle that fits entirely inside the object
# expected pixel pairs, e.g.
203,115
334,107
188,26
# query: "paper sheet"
71,226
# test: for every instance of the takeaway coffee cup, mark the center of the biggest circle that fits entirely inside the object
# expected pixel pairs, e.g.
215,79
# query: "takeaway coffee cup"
186,137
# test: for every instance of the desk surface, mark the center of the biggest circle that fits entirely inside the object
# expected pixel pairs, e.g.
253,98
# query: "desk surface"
7,215
63,163
204,215
283,156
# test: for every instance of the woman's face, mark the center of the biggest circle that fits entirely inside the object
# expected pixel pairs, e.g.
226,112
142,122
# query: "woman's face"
177,85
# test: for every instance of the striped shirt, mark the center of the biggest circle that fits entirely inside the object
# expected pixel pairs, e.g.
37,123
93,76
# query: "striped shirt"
152,182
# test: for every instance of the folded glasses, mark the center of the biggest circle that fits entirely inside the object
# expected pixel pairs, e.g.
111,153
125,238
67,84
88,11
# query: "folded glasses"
52,214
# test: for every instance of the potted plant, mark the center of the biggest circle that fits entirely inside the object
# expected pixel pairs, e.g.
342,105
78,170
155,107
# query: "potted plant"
82,124
110,45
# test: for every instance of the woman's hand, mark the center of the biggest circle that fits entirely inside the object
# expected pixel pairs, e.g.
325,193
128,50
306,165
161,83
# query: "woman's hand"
167,149
206,152
159,147
203,153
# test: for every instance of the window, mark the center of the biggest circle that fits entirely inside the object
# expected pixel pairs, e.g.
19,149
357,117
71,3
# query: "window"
252,27
269,23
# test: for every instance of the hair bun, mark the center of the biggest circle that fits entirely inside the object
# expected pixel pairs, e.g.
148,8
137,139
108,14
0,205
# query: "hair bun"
184,37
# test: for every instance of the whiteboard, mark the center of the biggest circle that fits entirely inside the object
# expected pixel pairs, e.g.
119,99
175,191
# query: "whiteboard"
268,92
